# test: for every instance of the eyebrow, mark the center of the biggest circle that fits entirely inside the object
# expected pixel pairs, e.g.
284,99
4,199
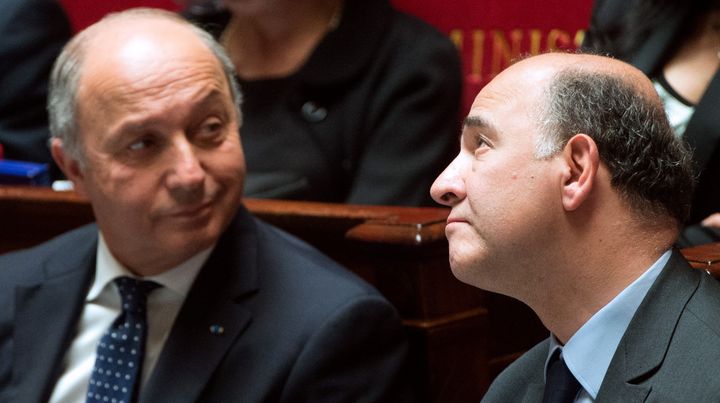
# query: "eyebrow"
477,122
214,97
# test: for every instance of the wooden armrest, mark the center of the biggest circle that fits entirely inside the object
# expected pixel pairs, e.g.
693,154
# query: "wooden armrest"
705,257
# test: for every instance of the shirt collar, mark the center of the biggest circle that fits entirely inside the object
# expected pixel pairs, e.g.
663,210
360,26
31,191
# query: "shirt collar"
589,351
178,279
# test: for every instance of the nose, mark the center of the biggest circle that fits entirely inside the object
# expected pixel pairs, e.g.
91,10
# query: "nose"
449,187
187,175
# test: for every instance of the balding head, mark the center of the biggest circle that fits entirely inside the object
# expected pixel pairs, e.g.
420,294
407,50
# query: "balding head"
549,64
523,141
109,39
617,106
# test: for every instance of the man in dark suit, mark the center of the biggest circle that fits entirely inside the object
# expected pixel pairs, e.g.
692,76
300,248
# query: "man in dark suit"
177,294
567,194
32,33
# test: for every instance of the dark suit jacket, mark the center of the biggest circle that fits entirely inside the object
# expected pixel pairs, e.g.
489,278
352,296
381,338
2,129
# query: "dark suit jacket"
370,118
32,33
298,328
669,353
703,130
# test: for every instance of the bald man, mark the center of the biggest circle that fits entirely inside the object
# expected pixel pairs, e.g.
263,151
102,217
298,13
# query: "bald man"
177,294
567,194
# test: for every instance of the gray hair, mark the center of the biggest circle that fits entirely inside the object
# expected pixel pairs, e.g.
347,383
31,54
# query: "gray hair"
650,167
66,72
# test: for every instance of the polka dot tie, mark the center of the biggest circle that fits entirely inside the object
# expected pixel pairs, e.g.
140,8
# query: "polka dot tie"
118,364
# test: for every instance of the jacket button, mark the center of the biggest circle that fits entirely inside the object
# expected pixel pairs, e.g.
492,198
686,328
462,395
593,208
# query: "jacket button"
312,112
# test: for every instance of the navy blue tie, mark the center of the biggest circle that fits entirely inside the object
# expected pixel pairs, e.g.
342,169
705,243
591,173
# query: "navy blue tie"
561,385
118,365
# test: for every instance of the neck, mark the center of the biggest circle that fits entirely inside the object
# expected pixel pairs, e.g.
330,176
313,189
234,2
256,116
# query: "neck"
277,41
594,267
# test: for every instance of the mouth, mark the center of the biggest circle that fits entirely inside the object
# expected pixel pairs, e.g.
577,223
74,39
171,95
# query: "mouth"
452,220
192,210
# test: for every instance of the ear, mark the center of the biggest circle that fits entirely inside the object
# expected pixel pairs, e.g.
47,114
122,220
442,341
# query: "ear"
70,166
583,159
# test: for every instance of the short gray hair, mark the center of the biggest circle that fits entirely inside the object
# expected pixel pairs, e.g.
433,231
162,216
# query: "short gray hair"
650,167
67,70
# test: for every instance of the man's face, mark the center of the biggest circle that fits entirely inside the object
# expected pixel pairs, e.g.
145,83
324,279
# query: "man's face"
164,165
503,199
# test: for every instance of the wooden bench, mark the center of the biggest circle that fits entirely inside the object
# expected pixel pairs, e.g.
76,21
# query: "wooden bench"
461,337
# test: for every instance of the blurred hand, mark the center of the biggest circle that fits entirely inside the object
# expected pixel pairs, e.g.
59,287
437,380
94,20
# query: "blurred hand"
713,220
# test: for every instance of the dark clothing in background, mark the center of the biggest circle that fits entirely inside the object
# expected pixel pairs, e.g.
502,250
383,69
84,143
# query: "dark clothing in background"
32,33
370,118
609,33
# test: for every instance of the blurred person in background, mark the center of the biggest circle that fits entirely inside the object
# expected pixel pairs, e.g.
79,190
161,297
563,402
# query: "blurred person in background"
677,44
345,101
32,33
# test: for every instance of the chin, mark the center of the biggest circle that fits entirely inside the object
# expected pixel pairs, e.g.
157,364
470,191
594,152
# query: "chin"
459,270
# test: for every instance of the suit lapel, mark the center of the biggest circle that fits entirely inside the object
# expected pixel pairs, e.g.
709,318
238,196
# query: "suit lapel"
534,392
642,349
212,317
46,318
617,386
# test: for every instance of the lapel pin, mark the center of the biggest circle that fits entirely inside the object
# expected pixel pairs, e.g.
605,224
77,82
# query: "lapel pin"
217,330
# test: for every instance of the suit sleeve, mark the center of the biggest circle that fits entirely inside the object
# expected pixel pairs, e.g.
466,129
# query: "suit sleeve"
359,354
414,124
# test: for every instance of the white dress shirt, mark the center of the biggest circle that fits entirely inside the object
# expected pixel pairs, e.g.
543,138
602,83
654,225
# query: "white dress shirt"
678,110
589,351
103,305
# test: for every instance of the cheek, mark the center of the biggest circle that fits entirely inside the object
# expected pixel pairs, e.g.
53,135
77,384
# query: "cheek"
504,197
226,168
125,189
227,164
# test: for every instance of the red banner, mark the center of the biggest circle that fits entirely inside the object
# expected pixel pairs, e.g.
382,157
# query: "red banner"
492,33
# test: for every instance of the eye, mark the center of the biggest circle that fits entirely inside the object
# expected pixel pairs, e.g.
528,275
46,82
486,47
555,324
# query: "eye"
211,129
142,144
476,142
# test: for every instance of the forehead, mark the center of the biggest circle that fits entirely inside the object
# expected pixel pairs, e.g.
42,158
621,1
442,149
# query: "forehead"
511,101
518,87
150,59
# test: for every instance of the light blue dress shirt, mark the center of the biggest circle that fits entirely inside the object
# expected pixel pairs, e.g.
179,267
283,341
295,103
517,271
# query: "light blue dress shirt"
589,351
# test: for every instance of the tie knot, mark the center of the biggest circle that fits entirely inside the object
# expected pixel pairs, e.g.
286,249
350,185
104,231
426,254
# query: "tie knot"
134,293
561,385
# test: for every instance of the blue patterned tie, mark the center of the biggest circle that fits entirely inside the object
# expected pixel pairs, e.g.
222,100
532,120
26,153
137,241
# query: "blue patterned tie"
118,365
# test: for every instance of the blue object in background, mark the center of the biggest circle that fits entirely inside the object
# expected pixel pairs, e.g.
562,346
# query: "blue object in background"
23,173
